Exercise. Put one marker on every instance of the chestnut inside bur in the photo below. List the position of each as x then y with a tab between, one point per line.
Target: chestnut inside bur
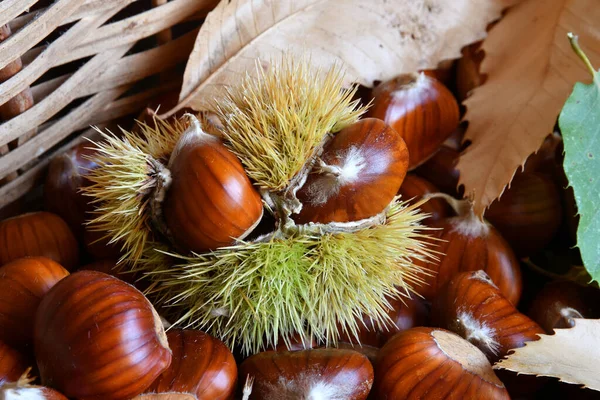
357	176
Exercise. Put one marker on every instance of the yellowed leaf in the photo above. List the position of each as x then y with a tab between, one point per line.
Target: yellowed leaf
531	71
570	354
373	40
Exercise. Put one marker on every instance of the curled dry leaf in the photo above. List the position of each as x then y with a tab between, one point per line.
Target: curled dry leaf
374	40
530	73
570	354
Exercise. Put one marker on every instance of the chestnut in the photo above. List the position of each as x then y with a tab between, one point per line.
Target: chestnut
414	188
98	245
555	306
467	243
21	388
441	171
97	337
405	313
433	363
23	283
66	175
308	374
421	109
528	214
211	201
472	306
202	368
38	234
12	364
468	76
357	176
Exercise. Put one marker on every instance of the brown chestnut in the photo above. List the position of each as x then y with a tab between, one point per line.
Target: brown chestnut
472	306
211	202
23	283
405	313
555	306
21	388
203	368
308	374
528	214
415	187
97	337
421	109
357	176
467	243
433	363
12	364
38	234
66	175
441	171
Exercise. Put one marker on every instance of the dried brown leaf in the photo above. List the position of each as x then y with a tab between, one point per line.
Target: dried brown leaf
374	40
531	71
570	354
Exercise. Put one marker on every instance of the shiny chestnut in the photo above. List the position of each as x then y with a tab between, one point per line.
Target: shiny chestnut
471	305
308	374
357	176
467	243
414	188
558	303
528	214
433	363
97	337
38	234
202	368
421	109
23	283
12	364
66	175
211	201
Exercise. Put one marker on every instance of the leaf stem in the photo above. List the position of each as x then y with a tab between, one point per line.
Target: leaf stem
574	39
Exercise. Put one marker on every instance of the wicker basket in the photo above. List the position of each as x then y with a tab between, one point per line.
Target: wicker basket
69	64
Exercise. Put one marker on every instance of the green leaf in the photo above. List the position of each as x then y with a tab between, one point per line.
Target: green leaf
579	123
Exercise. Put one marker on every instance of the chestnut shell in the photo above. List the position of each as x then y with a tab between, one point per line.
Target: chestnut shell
211	201
97	337
421	109
38	234
330	373
375	158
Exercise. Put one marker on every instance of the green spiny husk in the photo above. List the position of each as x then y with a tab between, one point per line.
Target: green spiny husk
123	181
254	294
276	121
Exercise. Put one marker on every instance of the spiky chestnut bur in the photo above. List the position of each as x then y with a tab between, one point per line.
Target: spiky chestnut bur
298	278
472	306
210	202
22	389
467	243
421	109
357	176
254	293
309	374
430	363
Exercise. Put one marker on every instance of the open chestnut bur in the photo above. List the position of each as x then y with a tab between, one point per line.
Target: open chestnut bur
287	222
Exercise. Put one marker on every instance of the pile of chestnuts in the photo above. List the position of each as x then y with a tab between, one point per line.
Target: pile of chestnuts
72	326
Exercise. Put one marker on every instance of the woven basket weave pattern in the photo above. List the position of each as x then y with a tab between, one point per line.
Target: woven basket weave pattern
43	117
